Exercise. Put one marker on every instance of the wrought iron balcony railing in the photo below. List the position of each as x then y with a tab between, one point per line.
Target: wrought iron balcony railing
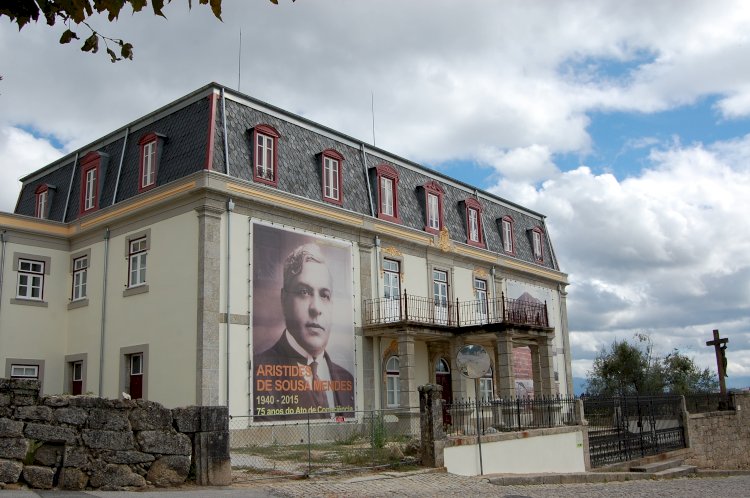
418	309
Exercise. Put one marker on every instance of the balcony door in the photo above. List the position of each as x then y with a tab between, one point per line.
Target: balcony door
391	308
440	296
443	379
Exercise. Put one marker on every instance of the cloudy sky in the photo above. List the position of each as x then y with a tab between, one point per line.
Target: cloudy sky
626	123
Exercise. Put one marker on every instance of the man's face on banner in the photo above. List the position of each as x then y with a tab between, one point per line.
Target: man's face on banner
306	301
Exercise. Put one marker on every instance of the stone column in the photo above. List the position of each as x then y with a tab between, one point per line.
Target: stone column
209	289
536	371
547	368
504	364
431	423
566	339
407	370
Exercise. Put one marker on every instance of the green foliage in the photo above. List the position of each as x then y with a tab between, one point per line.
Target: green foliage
379	432
77	12
627	369
31	452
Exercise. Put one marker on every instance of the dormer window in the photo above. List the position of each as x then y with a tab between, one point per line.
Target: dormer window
387	181
537	239
150	145
474	235
506	225
41	204
265	155
433	207
332	169
93	165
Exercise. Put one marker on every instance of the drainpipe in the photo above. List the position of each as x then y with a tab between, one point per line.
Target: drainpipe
230	208
119	168
104	313
494	291
3	241
70	187
367	178
377	345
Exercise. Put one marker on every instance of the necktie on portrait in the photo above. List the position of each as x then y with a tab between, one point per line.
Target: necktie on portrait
320	396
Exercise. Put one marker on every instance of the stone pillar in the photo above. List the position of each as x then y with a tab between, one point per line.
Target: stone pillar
208	427
547	368
504	363
566	339
584	425
209	291
536	371
407	370
431	423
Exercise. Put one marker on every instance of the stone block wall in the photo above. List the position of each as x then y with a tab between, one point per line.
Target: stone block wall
721	440
85	442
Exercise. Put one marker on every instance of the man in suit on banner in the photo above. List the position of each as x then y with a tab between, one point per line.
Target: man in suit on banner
295	378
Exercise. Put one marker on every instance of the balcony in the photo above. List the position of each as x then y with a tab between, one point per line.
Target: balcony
418	310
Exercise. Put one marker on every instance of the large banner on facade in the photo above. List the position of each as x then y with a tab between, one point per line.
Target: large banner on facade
303	327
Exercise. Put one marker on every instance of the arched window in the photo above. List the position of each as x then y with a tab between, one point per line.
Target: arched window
392	381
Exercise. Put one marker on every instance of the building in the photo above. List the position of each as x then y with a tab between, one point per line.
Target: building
152	262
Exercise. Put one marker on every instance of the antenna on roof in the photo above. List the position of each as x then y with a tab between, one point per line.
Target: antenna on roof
372	110
239	63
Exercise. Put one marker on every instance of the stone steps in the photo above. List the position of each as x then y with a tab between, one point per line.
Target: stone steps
651	468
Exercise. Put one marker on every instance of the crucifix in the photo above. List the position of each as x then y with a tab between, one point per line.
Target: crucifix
720	345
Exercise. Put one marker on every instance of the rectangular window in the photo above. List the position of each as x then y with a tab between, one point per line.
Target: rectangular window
137	262
76	378
149	164
391	279
264	157
440	295
480	295
386	196
89	197
30	279
80	277
485	388
433	213
507	236
331	178
41	204
24	372
473	225
537	237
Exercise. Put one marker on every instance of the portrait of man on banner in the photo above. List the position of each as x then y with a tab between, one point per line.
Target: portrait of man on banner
303	332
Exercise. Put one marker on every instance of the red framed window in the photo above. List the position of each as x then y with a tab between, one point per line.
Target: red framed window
149	166
332	176
41	203
265	155
387	182
90	179
433	199
508	236
537	242
474	233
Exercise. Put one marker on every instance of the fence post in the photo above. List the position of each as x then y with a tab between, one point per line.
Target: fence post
431	422
406	308
309	446
502	306
458	316
584	425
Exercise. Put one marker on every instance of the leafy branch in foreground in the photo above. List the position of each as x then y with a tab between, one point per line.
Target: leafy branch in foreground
74	14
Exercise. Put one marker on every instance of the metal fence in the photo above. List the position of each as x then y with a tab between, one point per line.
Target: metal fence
626	428
371	439
708	402
466	417
418	309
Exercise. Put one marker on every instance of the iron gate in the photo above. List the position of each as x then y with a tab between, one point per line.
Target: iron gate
626	428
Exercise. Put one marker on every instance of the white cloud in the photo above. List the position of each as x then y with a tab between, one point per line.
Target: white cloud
527	164
20	150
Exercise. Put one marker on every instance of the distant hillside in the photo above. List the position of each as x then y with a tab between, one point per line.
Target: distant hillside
579	384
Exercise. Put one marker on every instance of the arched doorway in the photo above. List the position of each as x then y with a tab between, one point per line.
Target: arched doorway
443	379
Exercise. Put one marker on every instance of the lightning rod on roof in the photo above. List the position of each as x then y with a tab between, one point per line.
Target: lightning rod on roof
239	63
372	110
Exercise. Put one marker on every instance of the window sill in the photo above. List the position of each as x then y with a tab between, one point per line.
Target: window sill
80	303
29	302
132	291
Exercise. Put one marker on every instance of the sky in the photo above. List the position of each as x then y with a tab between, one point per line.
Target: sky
626	123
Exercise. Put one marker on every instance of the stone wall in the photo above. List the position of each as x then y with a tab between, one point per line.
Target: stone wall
721	440
85	442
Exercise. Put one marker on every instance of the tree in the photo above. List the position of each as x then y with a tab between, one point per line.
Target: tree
74	13
627	369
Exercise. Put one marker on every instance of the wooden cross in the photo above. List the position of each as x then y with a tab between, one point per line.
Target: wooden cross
721	359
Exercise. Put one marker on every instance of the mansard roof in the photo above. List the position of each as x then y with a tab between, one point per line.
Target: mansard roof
192	130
